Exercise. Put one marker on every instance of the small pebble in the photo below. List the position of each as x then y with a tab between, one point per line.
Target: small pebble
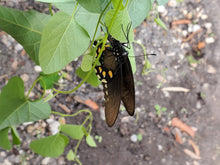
133	138
18	47
37	68
6	162
161	9
211	69
160	147
24	77
172	3
195	28
54	126
204	16
28	123
45	161
184	33
30	129
2	154
209	40
198	105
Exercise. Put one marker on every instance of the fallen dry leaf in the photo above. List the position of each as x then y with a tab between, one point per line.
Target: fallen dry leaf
211	69
195	148
191	154
182	21
91	104
175	89
201	45
182	126
166	129
191	35
87	102
178	137
65	108
14	64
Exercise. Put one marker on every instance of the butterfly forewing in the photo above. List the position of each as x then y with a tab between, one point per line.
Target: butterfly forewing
112	83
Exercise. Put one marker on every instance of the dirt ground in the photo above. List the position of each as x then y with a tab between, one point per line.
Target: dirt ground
198	107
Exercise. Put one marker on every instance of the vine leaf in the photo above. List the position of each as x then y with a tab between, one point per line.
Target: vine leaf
51	146
93	79
24	27
162	2
122	19
4	141
95	6
49	80
74	131
90	141
16	109
138	11
15	136
54	1
86	19
63	40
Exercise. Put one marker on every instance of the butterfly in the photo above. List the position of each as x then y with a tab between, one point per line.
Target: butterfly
116	75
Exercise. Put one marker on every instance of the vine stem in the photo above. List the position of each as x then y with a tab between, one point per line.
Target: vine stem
38	79
72	115
50	9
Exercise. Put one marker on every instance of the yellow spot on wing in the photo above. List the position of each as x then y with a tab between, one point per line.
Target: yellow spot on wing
110	73
103	73
100	69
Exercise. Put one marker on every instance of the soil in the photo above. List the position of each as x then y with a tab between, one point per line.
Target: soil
198	108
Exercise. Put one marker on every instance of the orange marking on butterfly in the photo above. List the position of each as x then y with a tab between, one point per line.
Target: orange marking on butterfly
100	69
104	73
110	73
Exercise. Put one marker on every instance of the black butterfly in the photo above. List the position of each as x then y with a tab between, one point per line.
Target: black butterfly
116	76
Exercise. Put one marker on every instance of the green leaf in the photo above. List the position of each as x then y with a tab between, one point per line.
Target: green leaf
116	3
4	141
51	146
70	156
131	57
157	107
139	137
90	141
74	131
87	61
63	40
54	1
15	109
49	80
93	79
94	6
160	23
15	136
121	22
138	11
162	2
24	27
82	16
192	60
164	109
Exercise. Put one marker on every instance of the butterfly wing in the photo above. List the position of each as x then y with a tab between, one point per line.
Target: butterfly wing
112	89
128	91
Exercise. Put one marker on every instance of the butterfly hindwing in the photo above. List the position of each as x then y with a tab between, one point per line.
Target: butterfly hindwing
128	92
